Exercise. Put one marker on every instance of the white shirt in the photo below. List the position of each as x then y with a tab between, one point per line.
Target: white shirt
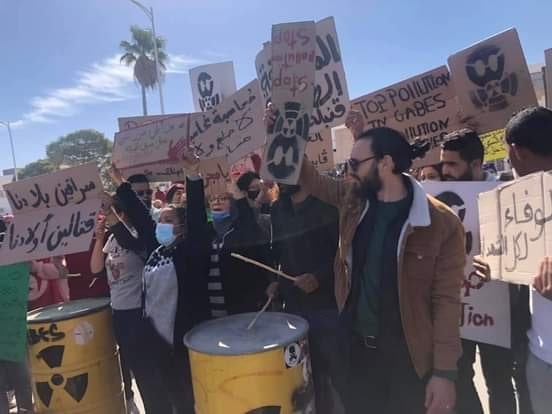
540	334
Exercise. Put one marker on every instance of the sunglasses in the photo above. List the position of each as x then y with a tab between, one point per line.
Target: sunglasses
353	164
141	193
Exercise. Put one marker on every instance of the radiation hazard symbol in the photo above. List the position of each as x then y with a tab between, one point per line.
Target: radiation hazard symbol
74	386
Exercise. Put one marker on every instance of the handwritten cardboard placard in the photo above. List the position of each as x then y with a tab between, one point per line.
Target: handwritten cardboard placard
423	106
485	306
331	96
14	293
129	122
344	141
548	76
492	80
495	149
216	175
162	172
516	227
212	84
293	67
233	129
319	150
153	143
55	214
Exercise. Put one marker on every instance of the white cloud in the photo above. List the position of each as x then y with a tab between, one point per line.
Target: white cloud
103	82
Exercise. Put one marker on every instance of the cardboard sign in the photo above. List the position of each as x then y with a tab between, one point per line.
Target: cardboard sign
423	106
331	96
14	293
162	172
516	228
492	81
233	129
485	305
344	141
216	175
55	214
136	121
4	203
153	143
293	67
495	149
548	76
212	84
319	150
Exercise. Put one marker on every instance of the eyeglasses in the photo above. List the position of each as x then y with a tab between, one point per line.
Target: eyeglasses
354	164
141	193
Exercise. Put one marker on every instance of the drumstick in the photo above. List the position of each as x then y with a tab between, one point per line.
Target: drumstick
257	316
263	266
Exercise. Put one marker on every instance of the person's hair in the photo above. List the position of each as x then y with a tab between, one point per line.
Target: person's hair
117	204
138	178
466	143
388	141
172	191
436	167
531	128
246	179
180	212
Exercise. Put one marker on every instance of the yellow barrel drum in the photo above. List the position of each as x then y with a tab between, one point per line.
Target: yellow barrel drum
74	359
264	370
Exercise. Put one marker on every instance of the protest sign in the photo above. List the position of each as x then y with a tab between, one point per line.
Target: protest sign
495	149
548	76
319	150
331	96
423	106
516	227
344	141
4	203
492	81
14	293
212	84
233	129
136	121
293	67
162	172
485	305
153	143
216	175
55	214
245	164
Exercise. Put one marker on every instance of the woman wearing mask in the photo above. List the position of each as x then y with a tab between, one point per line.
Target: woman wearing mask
122	255
174	289
235	286
250	184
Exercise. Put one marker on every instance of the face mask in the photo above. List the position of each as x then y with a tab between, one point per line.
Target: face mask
164	233
253	194
220	215
289	189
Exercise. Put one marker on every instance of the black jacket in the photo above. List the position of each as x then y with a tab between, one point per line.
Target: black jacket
304	240
191	256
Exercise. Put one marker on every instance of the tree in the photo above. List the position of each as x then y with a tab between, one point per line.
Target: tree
78	148
140	54
36	168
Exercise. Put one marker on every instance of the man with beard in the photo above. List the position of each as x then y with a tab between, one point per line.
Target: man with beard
398	273
304	241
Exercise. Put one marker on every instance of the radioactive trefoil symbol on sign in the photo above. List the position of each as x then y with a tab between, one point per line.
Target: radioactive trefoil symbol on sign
74	386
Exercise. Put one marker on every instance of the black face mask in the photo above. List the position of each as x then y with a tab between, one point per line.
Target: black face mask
125	239
289	189
253	194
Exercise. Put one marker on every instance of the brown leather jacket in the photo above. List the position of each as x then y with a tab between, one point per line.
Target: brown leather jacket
431	260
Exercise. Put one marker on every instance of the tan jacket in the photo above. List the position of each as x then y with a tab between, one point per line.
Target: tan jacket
431	259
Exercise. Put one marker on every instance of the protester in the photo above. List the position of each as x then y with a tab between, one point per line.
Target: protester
257	195
174	288
159	194
16	376
431	173
399	269
304	241
122	255
156	208
462	156
235	286
528	136
87	284
48	283
176	194
140	185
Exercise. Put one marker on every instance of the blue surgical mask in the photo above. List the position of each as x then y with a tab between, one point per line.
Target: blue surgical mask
220	215
164	233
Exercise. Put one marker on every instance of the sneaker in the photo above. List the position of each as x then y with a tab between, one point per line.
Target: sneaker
132	408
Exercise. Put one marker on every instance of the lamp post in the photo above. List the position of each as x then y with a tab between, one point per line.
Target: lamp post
7	125
149	14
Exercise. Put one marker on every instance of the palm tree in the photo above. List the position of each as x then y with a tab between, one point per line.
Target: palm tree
140	53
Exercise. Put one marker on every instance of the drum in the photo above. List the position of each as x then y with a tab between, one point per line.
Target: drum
74	359
262	370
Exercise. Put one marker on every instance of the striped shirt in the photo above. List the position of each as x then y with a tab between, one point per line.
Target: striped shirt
214	283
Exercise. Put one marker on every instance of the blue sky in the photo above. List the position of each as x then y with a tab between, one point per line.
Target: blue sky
60	72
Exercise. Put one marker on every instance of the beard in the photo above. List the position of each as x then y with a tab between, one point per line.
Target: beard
466	176
368	185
